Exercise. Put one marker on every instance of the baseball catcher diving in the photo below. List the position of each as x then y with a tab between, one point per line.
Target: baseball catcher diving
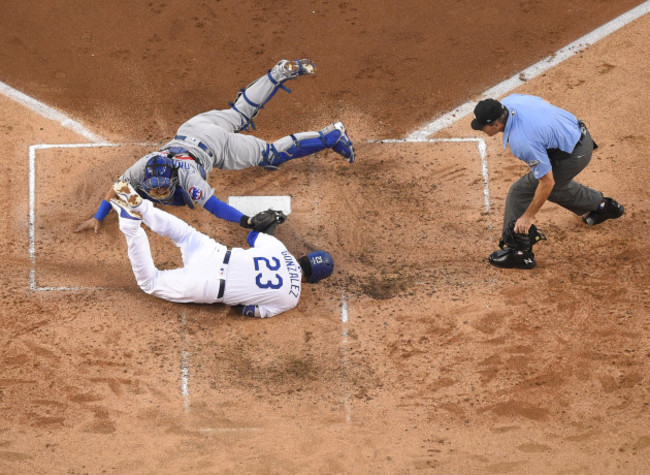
262	281
176	174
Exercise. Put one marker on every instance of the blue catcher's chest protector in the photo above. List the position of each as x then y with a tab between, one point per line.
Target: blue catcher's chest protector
176	198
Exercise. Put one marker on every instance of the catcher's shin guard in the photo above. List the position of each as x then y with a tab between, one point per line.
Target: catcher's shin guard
333	136
253	98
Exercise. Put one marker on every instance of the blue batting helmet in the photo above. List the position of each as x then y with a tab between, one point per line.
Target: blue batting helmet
317	265
160	172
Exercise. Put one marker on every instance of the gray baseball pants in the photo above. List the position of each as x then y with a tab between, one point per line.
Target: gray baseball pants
218	129
567	193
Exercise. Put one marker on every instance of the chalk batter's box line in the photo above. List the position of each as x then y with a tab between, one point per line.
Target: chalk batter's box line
32	191
482	151
32	205
285	205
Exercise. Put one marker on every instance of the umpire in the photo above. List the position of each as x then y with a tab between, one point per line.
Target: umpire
557	147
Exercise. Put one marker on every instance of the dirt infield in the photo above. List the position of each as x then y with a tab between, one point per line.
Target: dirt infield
416	356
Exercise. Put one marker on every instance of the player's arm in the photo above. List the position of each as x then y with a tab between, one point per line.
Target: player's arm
198	191
258	311
95	222
544	187
259	239
264	222
134	174
249	310
226	212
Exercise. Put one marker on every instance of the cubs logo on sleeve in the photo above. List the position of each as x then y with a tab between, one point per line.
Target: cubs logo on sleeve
196	193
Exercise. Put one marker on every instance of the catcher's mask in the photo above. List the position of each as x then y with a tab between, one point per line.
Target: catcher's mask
160	177
317	265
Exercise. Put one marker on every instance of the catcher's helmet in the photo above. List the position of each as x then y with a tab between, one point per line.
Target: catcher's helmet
160	174
317	265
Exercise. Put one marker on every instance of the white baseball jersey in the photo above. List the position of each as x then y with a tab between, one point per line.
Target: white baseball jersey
265	275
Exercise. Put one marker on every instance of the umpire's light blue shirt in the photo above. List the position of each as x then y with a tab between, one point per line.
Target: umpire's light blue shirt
534	126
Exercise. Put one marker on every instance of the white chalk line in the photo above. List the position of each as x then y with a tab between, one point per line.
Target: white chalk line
48	112
345	349
32	208
417	136
533	71
185	369
482	151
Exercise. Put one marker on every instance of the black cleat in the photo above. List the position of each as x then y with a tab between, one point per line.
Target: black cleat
608	209
508	258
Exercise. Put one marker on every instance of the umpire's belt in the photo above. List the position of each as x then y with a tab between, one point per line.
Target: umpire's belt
555	154
196	142
222	273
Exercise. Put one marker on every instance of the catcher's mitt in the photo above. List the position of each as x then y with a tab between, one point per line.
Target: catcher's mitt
265	221
520	241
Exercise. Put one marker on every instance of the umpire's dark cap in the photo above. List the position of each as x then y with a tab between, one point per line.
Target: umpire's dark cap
486	112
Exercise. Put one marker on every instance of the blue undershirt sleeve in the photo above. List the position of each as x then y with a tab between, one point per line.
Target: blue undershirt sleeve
252	237
222	210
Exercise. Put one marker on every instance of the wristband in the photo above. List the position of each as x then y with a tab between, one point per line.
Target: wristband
243	222
103	210
250	311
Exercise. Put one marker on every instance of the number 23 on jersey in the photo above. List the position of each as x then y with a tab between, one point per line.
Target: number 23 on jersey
262	264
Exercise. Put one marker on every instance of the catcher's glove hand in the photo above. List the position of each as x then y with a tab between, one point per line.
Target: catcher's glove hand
520	241
265	221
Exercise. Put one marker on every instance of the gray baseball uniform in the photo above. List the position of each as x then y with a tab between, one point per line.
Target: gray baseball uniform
211	140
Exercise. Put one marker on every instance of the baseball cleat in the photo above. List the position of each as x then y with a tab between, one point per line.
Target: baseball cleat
127	193
508	258
124	211
343	145
298	67
608	209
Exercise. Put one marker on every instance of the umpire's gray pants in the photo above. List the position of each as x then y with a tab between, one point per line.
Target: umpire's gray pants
569	194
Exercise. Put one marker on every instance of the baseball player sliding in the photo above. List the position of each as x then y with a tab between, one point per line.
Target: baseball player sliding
176	174
263	281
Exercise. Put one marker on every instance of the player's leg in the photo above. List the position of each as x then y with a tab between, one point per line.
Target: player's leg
138	248
251	99
185	284
519	198
193	244
243	151
568	193
299	145
577	198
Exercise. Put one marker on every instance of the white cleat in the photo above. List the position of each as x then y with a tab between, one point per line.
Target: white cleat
298	67
127	193
124	211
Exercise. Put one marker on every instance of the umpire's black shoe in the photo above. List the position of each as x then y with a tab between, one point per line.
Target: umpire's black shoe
608	209
508	258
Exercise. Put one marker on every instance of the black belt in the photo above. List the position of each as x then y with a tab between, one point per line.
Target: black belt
222	282
199	144
557	154
583	134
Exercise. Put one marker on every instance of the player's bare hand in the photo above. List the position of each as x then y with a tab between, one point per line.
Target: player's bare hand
91	223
